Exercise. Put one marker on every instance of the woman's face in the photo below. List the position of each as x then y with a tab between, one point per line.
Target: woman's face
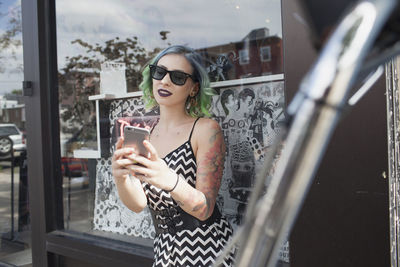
249	100
165	92
230	102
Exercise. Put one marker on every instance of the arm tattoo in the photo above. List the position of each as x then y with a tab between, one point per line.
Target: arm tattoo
211	168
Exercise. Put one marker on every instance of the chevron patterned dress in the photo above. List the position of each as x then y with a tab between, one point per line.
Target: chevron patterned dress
198	247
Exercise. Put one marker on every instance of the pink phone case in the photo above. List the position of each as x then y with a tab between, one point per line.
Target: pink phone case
134	137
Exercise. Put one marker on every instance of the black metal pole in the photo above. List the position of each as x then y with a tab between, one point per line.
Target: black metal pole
12	192
69	193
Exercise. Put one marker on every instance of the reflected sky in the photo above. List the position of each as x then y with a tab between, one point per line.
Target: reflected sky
198	24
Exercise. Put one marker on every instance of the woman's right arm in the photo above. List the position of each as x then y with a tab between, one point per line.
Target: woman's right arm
130	190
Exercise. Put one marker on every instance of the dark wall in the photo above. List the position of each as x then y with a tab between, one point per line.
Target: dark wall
345	219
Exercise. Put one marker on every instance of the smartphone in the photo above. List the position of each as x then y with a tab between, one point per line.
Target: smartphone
134	137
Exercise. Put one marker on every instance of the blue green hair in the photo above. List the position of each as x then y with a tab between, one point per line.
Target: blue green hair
203	97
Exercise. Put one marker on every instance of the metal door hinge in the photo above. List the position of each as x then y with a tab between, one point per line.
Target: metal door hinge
27	88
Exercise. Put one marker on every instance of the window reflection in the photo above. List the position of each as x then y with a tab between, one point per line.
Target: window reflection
241	44
14	211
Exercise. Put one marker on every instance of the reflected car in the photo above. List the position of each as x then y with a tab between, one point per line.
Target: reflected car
74	167
76	171
9	131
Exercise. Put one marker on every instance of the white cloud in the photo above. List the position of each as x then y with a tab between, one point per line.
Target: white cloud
10	81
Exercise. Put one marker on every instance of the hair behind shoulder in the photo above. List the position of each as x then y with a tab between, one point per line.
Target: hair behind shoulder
203	97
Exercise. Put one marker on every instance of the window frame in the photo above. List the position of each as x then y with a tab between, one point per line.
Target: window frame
52	242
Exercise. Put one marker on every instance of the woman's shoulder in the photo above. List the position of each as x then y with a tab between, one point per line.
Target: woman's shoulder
206	128
205	124
207	133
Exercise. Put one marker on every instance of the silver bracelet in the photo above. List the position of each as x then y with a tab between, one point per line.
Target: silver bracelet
173	188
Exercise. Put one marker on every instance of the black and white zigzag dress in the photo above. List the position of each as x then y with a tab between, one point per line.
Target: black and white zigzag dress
198	247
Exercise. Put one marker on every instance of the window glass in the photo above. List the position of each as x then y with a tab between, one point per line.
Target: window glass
102	49
265	53
244	57
14	206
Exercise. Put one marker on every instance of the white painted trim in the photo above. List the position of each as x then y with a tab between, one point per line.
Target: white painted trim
260	79
87	154
117	96
98	127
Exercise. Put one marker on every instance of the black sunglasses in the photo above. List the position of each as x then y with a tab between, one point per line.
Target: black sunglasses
176	76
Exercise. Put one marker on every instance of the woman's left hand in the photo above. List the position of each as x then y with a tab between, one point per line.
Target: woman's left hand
155	170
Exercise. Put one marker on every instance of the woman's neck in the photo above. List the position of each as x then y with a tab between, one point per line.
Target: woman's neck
173	117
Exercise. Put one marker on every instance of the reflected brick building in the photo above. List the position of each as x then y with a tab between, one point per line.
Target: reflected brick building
257	54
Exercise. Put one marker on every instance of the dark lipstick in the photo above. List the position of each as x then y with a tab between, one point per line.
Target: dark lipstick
164	93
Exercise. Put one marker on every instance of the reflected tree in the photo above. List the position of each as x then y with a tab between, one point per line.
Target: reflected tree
10	37
80	78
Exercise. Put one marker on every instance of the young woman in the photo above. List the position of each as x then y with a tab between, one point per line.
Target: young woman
180	178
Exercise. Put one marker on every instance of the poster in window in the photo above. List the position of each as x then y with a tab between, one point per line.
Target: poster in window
250	117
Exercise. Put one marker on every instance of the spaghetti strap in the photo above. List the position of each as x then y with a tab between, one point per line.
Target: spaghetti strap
191	132
154	125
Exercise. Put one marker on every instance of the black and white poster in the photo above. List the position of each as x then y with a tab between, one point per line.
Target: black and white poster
250	117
